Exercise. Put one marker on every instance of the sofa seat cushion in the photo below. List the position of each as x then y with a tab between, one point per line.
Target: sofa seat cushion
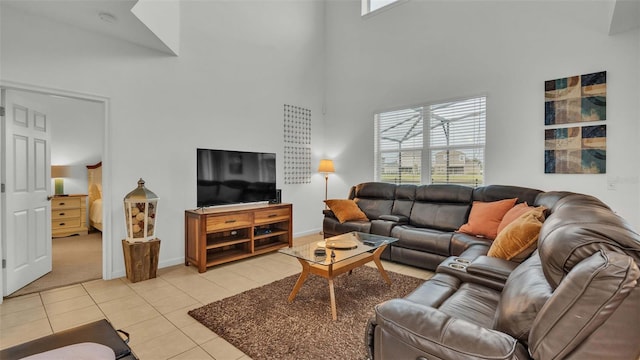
461	300
423	239
435	291
333	227
474	303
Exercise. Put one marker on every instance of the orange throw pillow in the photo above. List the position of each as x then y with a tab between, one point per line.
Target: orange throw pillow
346	210
485	217
513	214
520	238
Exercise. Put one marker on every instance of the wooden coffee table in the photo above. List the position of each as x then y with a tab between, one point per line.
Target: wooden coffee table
353	250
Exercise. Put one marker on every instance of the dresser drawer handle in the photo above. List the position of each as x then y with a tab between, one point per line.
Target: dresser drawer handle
62	224
61	214
61	204
272	215
230	221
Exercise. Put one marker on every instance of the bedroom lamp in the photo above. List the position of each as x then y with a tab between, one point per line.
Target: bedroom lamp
58	173
326	167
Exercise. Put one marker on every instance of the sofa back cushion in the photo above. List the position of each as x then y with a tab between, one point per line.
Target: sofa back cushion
443	207
405	197
500	192
375	198
587	298
524	294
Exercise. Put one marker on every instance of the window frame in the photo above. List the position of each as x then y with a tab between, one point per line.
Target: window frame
427	151
366	11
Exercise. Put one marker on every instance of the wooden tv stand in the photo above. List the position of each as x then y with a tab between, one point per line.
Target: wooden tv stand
220	235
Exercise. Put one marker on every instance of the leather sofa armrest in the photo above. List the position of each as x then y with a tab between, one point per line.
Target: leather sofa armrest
385	223
398	219
491	267
406	330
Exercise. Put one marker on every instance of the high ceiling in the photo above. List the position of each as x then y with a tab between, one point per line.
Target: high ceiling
108	17
119	22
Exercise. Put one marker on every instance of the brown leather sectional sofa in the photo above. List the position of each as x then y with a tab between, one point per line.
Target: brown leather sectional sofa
576	297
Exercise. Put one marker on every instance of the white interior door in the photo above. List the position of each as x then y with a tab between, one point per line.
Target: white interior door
26	211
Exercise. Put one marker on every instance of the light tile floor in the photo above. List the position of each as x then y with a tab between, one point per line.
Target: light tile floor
154	311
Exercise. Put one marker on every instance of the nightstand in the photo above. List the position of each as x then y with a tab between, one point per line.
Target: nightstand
69	215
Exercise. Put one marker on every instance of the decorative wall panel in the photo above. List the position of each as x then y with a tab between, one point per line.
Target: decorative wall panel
297	149
580	149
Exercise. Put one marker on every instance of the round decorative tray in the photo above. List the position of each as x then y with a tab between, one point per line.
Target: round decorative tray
341	244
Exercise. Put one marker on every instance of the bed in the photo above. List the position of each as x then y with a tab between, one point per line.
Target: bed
94	177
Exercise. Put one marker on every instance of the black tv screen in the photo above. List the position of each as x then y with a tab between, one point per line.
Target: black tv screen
232	177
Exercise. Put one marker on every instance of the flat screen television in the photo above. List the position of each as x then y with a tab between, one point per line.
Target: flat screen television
233	177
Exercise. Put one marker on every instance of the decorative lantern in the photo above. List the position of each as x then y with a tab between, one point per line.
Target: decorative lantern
140	210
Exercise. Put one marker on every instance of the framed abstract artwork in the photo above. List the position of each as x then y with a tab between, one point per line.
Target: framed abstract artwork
576	150
580	98
579	149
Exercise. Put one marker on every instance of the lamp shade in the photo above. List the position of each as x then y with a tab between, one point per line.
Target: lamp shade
59	171
326	166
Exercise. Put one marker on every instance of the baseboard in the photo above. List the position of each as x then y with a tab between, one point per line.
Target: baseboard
307	233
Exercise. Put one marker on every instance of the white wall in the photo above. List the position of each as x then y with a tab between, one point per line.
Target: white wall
239	63
436	50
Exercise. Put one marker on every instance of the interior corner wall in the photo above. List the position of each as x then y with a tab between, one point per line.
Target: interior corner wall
239	62
422	51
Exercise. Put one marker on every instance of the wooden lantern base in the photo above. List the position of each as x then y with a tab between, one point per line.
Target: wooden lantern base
141	259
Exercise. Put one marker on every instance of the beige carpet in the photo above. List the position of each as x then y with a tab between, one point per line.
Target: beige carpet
76	259
264	325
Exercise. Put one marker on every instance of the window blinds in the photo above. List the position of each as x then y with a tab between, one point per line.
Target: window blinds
452	150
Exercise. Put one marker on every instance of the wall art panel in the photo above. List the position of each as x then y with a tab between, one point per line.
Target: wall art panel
576	150
580	98
297	149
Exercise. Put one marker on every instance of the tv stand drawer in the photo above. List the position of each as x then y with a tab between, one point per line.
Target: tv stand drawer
222	222
269	216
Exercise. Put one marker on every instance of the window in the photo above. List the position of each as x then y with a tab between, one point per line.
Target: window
369	6
450	151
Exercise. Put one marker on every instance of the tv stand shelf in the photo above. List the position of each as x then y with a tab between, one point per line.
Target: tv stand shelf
220	235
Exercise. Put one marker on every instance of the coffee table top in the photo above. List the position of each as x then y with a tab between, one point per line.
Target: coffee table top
362	243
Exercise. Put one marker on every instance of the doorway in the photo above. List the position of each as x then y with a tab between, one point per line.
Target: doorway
79	123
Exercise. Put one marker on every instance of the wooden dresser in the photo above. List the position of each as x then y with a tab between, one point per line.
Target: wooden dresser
69	215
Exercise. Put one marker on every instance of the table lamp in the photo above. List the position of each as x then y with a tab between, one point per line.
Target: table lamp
58	173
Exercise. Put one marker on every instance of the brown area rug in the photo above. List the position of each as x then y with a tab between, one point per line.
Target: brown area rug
264	325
